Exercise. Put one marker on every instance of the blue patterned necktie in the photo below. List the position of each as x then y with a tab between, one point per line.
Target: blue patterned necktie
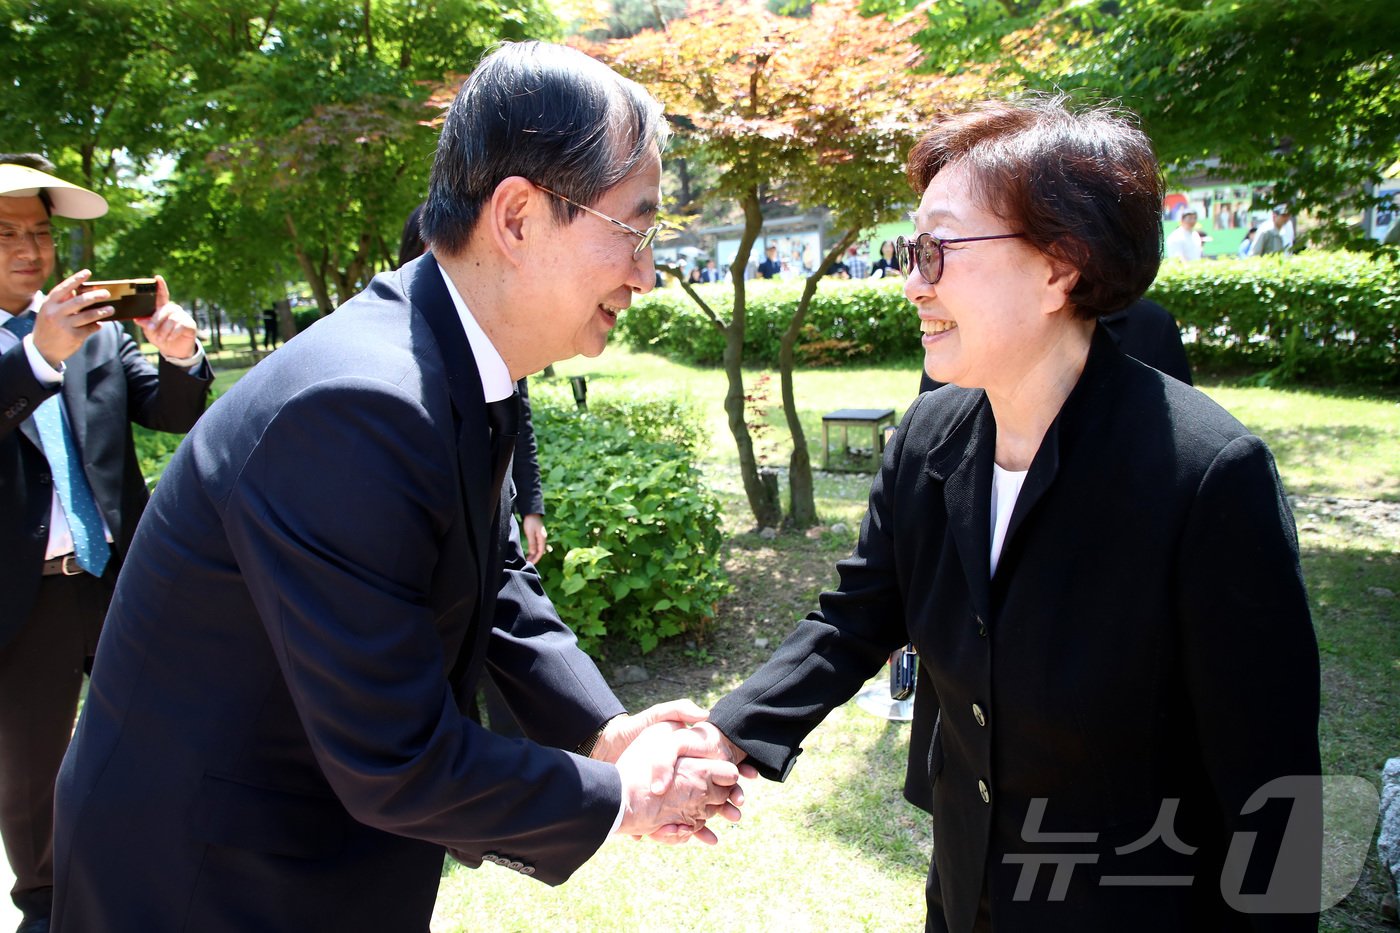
74	494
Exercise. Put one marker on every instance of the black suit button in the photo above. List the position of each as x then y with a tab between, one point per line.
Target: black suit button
984	790
978	715
42	531
45	478
981	626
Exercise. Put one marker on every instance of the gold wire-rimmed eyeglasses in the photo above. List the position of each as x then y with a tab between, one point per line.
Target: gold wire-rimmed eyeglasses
645	236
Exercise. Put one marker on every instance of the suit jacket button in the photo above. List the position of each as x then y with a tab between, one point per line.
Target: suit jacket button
528	870
981	627
978	715
984	791
42	531
516	866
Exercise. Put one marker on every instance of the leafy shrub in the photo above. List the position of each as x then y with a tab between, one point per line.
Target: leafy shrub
305	317
1318	316
153	451
869	320
634	533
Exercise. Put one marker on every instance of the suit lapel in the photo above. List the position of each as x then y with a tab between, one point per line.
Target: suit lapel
429	296
963	463
1077	407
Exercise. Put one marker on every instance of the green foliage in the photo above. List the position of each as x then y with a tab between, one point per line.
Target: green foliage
1314	317
1300	94
634	533
153	451
868	320
297	130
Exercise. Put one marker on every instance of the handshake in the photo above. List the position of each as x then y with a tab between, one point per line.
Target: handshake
677	772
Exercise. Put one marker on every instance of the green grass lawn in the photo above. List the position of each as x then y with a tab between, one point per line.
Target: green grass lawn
836	847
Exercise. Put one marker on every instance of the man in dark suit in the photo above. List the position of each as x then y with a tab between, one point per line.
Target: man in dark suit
70	384
276	735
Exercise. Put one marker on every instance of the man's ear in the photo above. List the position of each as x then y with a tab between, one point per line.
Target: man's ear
513	216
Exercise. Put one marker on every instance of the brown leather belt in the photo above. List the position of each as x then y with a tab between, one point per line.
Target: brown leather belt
66	566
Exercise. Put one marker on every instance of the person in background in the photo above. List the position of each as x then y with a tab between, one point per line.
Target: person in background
1185	242
770	268
1276	236
711	273
1097	565
856	263
886	266
71	491
1247	243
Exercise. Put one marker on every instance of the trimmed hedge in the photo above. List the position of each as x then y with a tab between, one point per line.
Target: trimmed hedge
1316	316
866	320
634	533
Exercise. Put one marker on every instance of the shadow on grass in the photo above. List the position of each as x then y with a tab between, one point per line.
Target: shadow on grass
1322	444
867	810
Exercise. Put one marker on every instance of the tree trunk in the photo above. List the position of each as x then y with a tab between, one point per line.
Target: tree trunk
802	503
767	509
286	323
314	278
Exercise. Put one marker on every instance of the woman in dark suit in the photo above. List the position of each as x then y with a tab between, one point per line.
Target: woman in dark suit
887	265
1116	720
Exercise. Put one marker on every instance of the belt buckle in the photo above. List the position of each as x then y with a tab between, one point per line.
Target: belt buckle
64	564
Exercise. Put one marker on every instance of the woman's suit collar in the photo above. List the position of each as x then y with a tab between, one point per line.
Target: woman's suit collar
962	460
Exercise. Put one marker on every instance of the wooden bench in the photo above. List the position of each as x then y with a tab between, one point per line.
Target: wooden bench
861	459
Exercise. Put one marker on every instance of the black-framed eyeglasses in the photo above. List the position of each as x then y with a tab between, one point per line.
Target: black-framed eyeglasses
646	236
926	251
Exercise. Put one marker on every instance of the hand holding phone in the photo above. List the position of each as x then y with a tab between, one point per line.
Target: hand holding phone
131	298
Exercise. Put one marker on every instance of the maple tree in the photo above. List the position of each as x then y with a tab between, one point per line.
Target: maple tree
819	111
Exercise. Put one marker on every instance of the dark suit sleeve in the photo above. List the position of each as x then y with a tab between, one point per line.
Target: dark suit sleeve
344	467
20	391
169	398
554	690
831	652
1251	666
525	468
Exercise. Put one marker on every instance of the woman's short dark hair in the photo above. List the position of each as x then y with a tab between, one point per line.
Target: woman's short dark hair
1084	187
544	112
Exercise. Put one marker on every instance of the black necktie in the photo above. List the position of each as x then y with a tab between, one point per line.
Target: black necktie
504	418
